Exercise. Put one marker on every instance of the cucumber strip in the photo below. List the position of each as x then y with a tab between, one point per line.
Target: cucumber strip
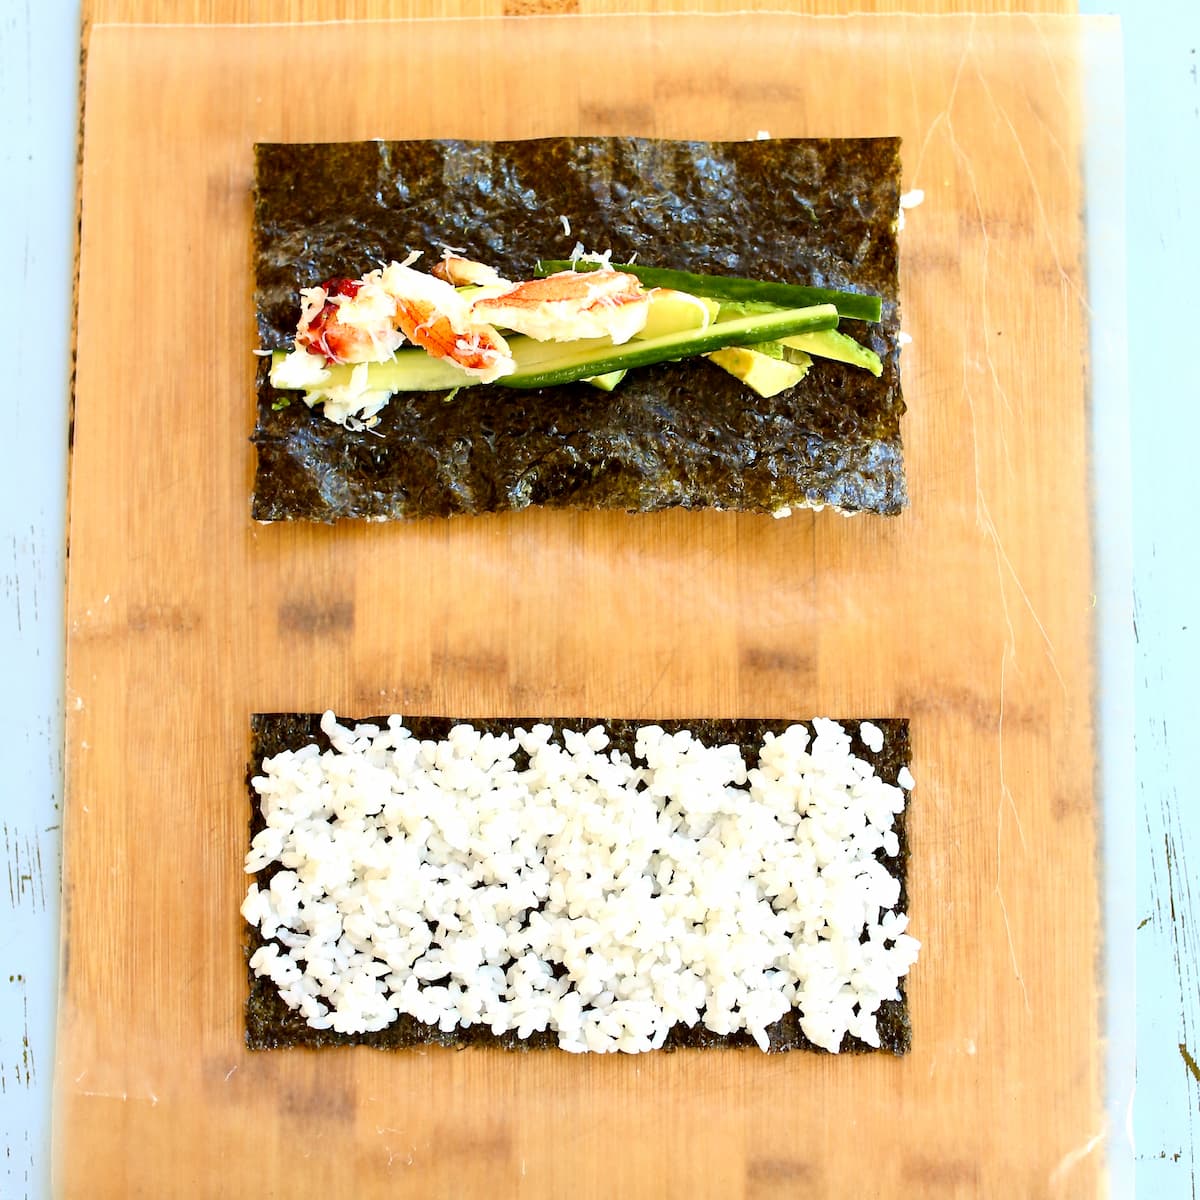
854	305
547	364
581	364
414	370
408	370
829	343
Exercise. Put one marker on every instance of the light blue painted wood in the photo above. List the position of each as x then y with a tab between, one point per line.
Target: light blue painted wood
38	67
1162	48
39	64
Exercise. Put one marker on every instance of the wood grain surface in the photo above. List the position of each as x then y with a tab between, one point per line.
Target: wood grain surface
970	615
247	11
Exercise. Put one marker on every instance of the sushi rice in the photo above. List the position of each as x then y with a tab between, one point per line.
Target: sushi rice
540	881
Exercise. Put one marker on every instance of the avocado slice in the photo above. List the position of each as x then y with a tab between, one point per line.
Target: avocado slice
672	311
832	343
760	372
606	382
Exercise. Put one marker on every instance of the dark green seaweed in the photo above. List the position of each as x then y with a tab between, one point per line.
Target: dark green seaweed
817	212
271	1025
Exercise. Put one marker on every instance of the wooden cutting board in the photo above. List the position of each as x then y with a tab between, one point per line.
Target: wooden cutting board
970	614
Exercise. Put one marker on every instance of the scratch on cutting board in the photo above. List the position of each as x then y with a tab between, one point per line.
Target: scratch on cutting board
671	655
149	1098
984	521
1006	795
1051	64
983	516
945	113
987	324
1073	1158
1009	652
1006	573
1072	284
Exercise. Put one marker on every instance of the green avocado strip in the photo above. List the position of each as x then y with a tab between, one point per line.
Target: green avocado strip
854	305
829	343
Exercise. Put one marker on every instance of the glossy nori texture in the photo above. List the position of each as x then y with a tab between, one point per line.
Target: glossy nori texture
270	1024
818	212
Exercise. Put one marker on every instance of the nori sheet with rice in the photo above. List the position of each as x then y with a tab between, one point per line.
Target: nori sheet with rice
820	212
271	1025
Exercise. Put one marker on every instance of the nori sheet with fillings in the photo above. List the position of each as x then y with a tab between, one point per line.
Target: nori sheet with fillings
271	1025
817	211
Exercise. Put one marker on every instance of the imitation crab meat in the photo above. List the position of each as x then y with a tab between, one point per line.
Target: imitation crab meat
359	321
348	321
454	268
356	321
571	305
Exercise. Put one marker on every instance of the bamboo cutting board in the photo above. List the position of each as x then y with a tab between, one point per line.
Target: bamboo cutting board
970	614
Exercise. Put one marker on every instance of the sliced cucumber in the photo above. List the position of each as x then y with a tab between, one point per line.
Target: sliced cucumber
855	305
827	343
410	370
582	364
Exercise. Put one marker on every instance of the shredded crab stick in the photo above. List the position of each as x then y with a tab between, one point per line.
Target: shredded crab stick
432	315
359	321
456	269
348	321
570	305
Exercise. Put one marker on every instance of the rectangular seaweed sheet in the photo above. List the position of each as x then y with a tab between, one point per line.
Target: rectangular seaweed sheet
271	1025
809	211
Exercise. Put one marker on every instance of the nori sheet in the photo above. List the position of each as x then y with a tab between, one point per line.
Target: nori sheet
811	211
271	1025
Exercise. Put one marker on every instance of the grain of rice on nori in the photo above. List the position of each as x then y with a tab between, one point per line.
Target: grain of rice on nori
813	211
271	1024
